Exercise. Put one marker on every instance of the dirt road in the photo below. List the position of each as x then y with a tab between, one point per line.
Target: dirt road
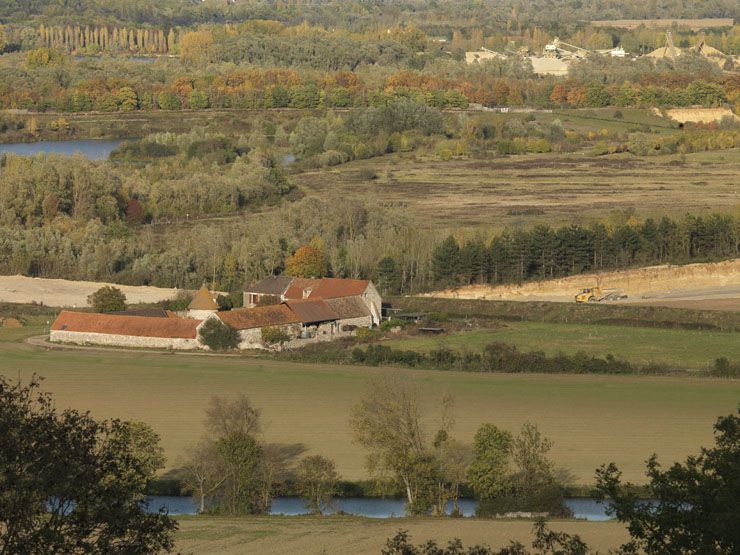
713	286
65	293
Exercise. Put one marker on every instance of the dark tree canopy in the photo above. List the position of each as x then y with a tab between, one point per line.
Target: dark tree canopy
219	336
107	299
697	507
73	485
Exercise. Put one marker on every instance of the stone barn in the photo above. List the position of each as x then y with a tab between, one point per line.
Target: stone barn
249	323
120	330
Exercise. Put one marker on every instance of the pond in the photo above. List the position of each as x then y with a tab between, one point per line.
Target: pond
94	149
583	508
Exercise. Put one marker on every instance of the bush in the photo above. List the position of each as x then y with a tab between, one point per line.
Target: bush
274	336
618	114
107	299
218	336
179	302
367	174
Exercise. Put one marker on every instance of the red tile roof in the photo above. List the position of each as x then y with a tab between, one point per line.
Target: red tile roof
326	288
331	288
349	307
298	286
312	311
261	316
138	326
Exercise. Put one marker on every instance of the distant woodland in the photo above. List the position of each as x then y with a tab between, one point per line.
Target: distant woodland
327	83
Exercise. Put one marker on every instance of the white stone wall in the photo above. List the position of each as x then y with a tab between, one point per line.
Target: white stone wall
360	322
374	302
81	338
200	314
252	338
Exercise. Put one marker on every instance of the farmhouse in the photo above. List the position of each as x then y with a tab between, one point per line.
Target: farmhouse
304	310
284	288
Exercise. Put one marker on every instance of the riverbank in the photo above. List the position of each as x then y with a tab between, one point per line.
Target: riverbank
590	509
308	535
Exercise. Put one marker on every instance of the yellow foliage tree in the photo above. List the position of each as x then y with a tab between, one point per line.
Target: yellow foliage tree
197	46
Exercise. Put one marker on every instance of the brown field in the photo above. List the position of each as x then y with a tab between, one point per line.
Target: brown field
694	24
359	536
66	293
530	189
591	419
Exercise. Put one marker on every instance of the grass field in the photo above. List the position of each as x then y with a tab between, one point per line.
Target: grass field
359	536
681	348
559	189
592	419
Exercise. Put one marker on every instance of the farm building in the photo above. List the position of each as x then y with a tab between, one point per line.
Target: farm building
121	330
284	288
306	311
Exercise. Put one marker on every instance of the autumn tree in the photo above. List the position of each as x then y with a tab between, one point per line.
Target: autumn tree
307	262
197	47
316	478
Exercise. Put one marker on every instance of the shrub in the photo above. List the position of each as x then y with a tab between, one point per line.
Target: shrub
618	114
180	301
218	336
107	299
368	174
274	336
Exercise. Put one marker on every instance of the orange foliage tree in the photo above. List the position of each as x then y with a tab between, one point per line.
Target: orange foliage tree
307	262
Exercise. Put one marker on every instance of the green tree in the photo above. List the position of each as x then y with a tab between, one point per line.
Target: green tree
198	100
489	470
308	137
72	484
316	478
389	277
167	100
127	99
107	299
445	262
696	510
274	335
218	336
241	459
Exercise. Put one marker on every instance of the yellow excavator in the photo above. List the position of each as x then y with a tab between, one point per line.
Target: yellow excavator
595	294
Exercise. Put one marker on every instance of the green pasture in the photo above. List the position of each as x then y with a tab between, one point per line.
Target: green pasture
691	349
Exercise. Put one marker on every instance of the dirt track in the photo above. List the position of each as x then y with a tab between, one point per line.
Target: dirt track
65	293
714	286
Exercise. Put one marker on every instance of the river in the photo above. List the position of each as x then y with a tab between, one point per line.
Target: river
583	508
94	149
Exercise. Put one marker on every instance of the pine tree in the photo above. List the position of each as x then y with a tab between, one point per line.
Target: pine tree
445	262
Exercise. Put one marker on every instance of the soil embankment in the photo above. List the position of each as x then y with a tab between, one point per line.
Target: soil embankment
66	293
710	286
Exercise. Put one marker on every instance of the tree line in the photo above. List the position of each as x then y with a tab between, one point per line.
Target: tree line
544	253
96	39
